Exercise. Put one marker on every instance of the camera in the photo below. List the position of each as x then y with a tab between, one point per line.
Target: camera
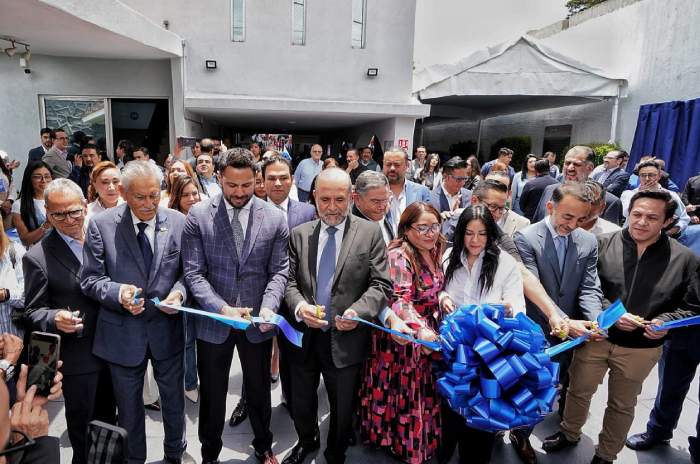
24	64
27	71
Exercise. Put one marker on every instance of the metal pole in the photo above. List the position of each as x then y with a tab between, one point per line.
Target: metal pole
615	113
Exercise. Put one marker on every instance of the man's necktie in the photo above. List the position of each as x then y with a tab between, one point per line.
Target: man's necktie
145	245
326	272
237	232
560	245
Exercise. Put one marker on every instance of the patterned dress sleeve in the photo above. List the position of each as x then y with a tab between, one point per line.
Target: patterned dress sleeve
401	274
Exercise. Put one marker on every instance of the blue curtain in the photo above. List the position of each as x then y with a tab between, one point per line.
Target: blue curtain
671	131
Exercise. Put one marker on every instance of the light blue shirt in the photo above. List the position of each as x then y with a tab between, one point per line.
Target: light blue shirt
305	173
210	185
75	246
683	218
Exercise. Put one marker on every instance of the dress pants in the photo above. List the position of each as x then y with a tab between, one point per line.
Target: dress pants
190	353
475	446
628	368
341	387
87	397
288	356
677	367
128	390
214	364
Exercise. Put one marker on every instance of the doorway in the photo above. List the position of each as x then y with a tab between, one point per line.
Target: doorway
143	121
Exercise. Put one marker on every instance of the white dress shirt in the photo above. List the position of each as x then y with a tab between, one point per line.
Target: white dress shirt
242	215
464	287
397	207
602	226
284	206
150	231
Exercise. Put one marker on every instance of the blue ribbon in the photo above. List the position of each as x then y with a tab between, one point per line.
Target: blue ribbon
435	346
605	320
678	323
497	374
290	333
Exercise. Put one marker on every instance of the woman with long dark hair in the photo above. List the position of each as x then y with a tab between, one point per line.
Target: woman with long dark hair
399	403
29	213
430	174
7	193
476	272
521	177
473	170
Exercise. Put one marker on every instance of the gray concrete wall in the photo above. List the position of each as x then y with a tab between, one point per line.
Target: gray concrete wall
58	76
267	65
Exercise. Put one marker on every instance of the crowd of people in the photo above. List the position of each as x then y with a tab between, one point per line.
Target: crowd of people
105	250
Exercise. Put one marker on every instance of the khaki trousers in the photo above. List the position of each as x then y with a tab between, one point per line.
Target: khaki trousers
628	368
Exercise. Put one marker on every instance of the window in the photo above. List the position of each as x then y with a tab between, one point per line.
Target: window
359	12
298	22
238	20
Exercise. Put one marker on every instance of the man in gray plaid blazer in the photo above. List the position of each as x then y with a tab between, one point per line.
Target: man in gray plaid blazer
234	249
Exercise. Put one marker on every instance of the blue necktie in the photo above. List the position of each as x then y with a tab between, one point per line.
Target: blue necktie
560	245
326	272
145	246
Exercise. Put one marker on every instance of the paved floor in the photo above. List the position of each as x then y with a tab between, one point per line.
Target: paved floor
237	440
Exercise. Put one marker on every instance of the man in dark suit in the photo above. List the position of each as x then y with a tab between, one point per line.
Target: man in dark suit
563	257
236	263
370	198
131	255
338	270
35	154
578	165
54	303
450	195
532	192
614	178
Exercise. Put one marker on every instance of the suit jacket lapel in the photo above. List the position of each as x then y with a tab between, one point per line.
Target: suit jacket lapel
345	247
257	216
550	252
313	255
63	254
444	203
291	211
161	235
125	228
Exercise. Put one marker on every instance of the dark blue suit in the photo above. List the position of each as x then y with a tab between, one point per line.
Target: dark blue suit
439	200
35	154
616	182
216	277
111	257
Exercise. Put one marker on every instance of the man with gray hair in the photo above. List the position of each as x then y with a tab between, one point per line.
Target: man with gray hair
131	255
370	200
54	303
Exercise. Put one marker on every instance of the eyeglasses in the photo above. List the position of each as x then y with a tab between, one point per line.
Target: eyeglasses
495	208
460	178
26	442
74	214
648	176
47	177
423	229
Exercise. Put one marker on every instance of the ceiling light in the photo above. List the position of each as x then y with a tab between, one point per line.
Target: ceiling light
10	51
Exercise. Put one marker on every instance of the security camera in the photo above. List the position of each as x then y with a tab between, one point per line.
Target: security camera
27	71
24	64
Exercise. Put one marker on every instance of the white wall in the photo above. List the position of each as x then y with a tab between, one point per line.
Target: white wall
19	92
267	65
655	44
447	30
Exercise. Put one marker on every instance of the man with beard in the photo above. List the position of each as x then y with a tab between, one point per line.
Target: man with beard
403	191
82	166
338	270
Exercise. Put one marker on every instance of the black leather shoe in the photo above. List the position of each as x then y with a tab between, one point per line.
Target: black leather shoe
153	406
300	452
599	460
643	442
239	414
557	442
523	448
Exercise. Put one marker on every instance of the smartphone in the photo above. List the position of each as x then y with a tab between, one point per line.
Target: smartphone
106	444
43	354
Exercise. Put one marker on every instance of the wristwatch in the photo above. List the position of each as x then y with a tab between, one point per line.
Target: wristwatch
7	368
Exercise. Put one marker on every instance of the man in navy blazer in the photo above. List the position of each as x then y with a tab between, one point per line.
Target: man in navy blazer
37	153
234	249
403	191
450	194
131	255
277	173
564	258
614	178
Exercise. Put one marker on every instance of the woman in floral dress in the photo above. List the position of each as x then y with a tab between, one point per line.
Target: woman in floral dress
399	402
